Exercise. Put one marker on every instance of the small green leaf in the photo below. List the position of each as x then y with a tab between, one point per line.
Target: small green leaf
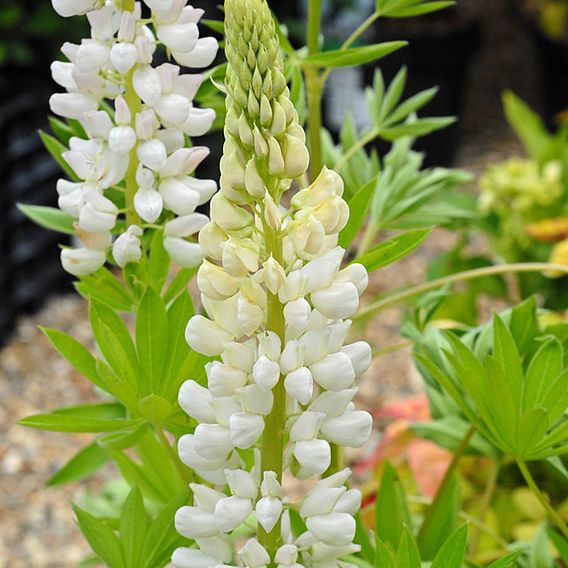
56	422
152	340
123	439
101	537
407	555
57	149
214	25
363	539
158	262
419	127
49	218
391	511
155	408
391	250
559	542
358	207
354	55
179	284
115	342
506	561
83	464
75	353
452	552
106	289
419	9
384	557
393	93
133	527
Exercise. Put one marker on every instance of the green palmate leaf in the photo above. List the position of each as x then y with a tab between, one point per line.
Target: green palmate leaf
393	94
508	358
123	439
441	520
152	340
155	408
162	538
419	127
86	418
114	342
101	538
106	289
81	465
354	55
179	355
391	511
358	208
452	552
61	130
411	105
133	527
158	262
384	558
407	555
56	149
179	284
391	250
49	218
118	386
75	353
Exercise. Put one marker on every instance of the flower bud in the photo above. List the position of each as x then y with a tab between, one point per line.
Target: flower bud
240	256
335	529
121	140
268	511
246	429
193	523
205	336
212	238
82	261
266	372
299	384
339	301
253	182
274	275
270	485
215	283
286	555
146	82
127	248
231	512
296	157
196	401
227	214
334	372
148	204
275	158
98	214
93	241
351	429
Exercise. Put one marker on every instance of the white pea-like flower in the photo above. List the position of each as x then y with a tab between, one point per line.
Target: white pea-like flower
154	112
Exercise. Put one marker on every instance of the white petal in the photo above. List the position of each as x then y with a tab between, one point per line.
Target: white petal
193	522
146	82
320	501
268	511
212	441
333	403
152	154
334	372
178	197
177	37
356	274
255	399
254	555
224	379
71	105
205	336
335	529
231	512
292	356
266	372
127	248
186	225
242	483
297	314
148	204
196	401
339	301
91	56
121	139
123	57
246	429
351	429
306	426
349	502
360	354
173	109
192	558
313	455
67	8
82	261
199	121
299	384
202	55
183	253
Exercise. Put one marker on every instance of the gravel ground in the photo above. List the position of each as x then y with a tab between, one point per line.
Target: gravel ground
37	529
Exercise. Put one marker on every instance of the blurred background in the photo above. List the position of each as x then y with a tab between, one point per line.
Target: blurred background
473	52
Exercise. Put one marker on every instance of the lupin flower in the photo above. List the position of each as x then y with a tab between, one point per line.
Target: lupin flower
278	306
139	148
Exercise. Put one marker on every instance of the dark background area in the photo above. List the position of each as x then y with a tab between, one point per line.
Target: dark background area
473	52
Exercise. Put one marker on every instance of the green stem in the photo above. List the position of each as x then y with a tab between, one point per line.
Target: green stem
543	500
135	106
275	423
429	517
490	486
368	238
398	297
314	88
361	143
183	471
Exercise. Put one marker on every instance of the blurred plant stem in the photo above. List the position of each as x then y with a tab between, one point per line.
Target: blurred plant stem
430	513
488	493
184	472
398	297
558	521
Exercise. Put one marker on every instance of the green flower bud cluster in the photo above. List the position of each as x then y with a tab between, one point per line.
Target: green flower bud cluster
265	144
